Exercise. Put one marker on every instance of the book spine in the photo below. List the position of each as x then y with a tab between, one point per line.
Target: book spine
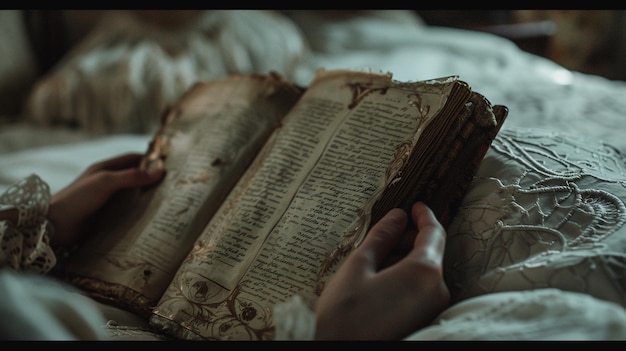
467	152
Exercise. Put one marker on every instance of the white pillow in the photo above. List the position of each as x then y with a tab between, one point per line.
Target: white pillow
546	210
123	74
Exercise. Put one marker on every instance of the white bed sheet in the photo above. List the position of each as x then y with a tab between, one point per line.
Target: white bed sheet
59	164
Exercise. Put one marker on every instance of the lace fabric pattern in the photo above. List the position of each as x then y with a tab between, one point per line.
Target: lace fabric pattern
294	320
544	211
25	246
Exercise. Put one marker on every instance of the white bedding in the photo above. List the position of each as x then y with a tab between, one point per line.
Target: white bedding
560	105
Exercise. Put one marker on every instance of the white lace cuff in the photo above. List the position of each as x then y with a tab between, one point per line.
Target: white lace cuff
26	246
294	320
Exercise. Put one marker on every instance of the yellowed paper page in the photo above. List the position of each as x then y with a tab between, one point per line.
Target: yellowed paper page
207	142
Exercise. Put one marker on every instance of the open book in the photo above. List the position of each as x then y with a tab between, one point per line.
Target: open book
269	186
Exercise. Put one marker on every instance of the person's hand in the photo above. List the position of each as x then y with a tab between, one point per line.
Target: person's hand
368	298
79	201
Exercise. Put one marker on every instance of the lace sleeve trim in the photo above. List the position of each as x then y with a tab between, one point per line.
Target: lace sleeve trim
294	320
26	246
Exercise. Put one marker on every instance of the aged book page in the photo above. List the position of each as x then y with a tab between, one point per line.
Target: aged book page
310	192
205	143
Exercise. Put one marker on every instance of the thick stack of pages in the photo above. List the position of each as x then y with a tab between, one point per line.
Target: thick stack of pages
269	186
